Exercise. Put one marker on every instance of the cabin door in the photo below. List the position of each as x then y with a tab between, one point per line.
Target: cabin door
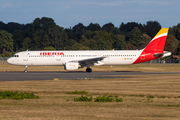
25	56
58	57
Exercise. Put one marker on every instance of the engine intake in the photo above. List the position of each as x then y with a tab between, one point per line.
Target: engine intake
71	66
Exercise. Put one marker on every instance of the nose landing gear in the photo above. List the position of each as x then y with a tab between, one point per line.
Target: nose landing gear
26	69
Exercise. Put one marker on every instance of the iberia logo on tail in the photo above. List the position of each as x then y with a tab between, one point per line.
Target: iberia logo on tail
155	48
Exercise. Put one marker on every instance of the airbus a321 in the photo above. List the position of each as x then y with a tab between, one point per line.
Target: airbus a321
73	60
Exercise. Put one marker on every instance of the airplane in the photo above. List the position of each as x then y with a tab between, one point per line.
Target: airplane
73	60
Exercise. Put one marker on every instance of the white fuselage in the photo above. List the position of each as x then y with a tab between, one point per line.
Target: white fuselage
45	58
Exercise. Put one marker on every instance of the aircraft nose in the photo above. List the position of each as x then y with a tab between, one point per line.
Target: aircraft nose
9	60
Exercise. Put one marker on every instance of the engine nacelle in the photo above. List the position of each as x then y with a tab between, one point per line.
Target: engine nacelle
71	66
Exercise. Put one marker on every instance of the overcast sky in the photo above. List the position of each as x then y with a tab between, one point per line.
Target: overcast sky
68	13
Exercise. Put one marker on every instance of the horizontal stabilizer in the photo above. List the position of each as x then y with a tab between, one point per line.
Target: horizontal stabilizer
164	54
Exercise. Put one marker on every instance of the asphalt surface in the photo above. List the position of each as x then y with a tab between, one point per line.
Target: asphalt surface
21	76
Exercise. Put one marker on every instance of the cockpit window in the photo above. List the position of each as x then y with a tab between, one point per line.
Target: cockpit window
15	55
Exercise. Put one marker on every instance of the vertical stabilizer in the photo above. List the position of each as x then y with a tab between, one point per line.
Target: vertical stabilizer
155	48
158	42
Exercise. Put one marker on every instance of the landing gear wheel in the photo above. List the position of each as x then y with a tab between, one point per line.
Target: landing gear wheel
88	70
25	68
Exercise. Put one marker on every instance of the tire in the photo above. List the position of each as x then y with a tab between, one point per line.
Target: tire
88	70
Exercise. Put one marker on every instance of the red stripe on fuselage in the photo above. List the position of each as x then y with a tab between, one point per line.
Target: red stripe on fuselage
147	56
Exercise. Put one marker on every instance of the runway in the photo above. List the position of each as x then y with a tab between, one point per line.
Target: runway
21	76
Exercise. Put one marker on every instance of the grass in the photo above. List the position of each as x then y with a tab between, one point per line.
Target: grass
104	98
17	96
144	97
83	98
108	98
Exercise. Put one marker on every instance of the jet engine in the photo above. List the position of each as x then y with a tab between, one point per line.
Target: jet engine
71	66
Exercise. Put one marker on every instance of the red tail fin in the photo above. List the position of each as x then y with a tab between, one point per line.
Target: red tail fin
155	48
158	42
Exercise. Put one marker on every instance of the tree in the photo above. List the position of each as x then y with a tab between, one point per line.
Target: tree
6	54
69	33
40	24
6	41
18	37
92	44
27	43
115	31
104	40
71	43
89	34
38	39
44	23
143	42
93	27
49	48
126	28
107	27
12	26
177	31
58	38
45	41
2	26
152	28
119	42
171	44
103	45
78	31
172	30
130	46
135	36
79	46
89	42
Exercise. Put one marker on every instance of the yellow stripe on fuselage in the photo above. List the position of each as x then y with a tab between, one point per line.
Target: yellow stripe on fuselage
163	30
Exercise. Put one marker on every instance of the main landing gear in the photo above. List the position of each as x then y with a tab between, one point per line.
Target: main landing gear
88	70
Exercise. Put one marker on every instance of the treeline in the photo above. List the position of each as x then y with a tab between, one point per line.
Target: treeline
44	34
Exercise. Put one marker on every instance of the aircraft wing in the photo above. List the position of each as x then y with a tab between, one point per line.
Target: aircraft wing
90	61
